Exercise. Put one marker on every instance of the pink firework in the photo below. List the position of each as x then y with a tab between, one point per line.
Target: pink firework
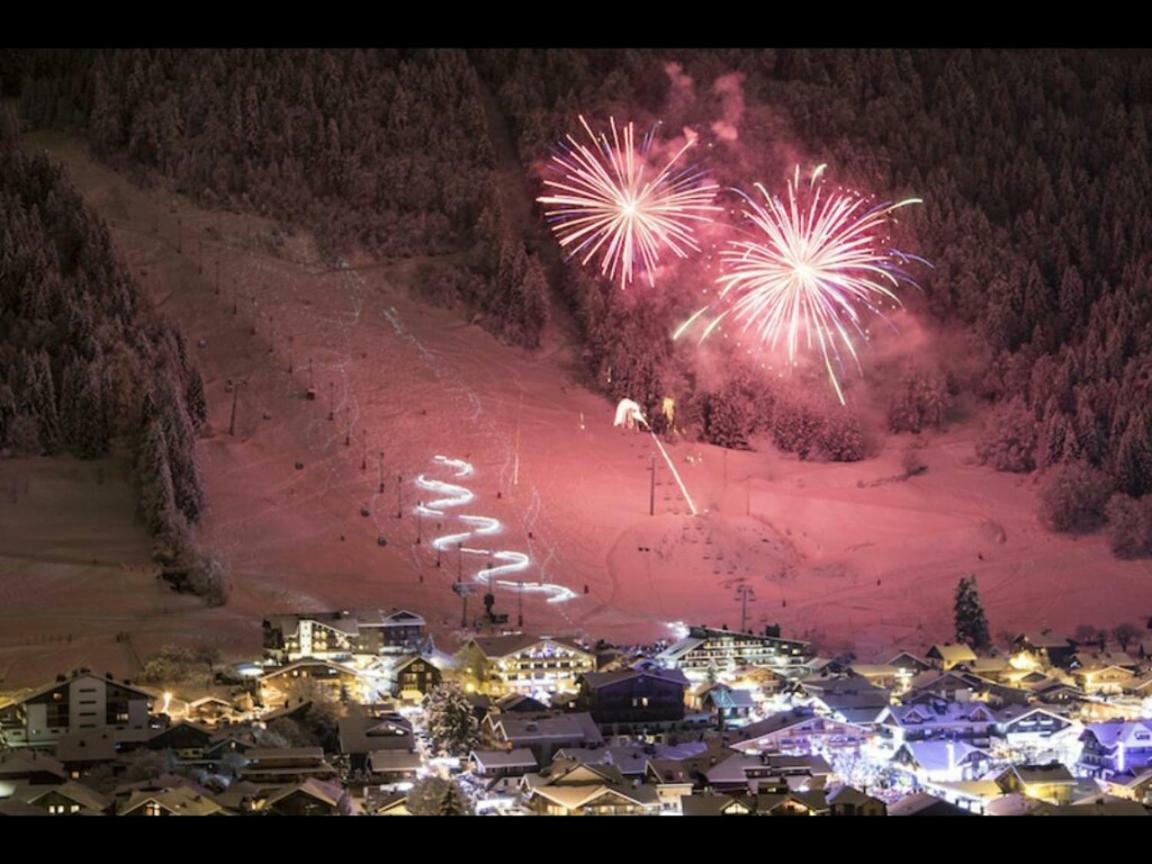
809	270
607	202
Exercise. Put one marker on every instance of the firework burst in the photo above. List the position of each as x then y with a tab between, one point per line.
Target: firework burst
815	261
606	201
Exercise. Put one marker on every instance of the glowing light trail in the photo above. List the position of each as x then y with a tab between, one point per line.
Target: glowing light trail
454	495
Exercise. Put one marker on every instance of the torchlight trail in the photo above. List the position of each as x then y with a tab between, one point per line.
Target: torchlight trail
808	270
454	495
608	200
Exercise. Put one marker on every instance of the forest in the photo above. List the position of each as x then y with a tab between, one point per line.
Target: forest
87	367
1033	166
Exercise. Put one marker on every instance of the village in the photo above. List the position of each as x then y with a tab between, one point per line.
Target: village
360	713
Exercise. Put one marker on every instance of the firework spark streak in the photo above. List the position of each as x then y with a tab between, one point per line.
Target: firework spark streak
672	468
610	202
809	269
455	495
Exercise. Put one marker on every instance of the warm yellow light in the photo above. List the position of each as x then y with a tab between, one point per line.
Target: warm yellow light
1022	661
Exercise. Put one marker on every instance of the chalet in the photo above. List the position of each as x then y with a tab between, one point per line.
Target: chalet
397	631
243	798
633	700
931	761
707	649
1052	783
936	719
124	792
178	801
414	677
729	706
588	790
1116	747
976	796
1102	659
187	741
910	663
945	656
758	772
713	805
1025	726
1052	691
362	735
792	804
525	664
286	765
882	675
632	760
1045	647
311	798
319	635
673	782
209	710
850	801
1135	787
502	763
65	799
393	766
798	731
923	804
520	703
32	767
279	686
543	734
849	699
1107	680
1102	805
338	636
233	742
15	807
80	752
998	670
954	685
82	703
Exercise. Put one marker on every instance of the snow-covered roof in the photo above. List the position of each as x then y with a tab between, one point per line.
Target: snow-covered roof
1115	732
934	755
952	653
597	680
495	647
939	712
521	757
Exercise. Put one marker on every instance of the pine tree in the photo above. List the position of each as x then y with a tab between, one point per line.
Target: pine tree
453	802
971	624
197	404
157	498
452	727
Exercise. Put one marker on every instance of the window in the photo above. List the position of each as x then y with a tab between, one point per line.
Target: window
152	809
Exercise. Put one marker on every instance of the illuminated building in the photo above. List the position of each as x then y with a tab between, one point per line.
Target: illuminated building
707	649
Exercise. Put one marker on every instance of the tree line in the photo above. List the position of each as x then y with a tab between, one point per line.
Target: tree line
383	150
87	367
1033	167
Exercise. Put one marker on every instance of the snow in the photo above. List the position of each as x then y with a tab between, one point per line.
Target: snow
831	553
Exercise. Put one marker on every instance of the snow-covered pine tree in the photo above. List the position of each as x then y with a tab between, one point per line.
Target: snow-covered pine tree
971	624
453	802
452	727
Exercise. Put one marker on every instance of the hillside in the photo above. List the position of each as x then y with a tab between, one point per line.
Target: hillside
418	382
